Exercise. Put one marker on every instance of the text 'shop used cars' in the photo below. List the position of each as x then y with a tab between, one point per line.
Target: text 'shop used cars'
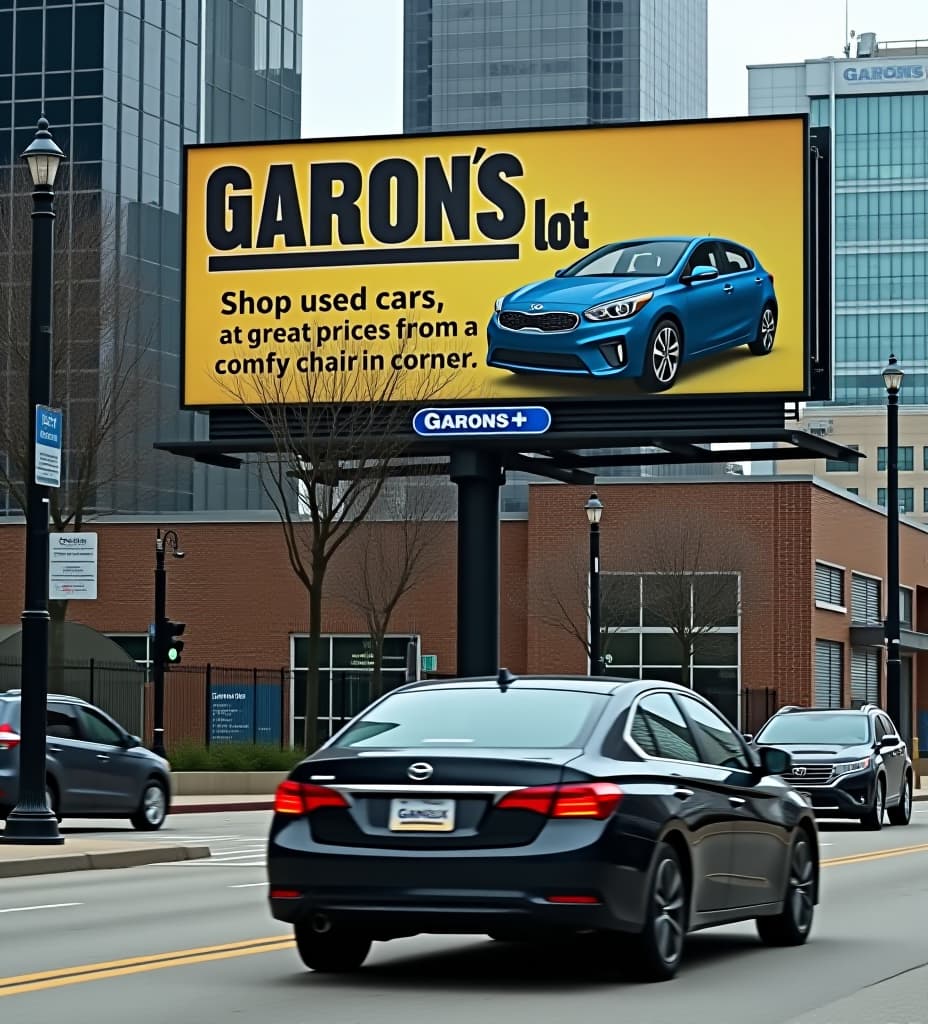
638	309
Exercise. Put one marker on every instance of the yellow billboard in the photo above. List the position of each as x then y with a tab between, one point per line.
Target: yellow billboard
601	263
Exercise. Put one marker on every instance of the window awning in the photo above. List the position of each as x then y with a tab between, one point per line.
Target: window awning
910	642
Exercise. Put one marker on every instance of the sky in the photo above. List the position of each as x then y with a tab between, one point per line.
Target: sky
353	52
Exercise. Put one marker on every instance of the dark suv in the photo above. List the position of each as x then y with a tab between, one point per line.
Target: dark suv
847	763
93	767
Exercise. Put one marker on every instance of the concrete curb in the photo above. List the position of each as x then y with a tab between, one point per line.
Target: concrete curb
57	863
218	808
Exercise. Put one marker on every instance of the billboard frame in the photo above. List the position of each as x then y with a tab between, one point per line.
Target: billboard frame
809	292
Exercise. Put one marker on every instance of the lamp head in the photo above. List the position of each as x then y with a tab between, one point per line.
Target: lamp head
892	375
43	156
594	509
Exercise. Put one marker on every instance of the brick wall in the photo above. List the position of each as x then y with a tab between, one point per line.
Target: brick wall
241	601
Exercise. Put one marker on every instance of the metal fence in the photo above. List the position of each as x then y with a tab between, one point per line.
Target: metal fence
208	704
116	687
757	705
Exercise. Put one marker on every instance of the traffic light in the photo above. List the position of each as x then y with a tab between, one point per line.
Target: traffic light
173	645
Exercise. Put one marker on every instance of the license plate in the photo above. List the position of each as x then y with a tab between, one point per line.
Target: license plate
422	816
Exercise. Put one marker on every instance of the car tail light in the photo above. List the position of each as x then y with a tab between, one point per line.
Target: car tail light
285	894
304	798
577	800
8	739
579	900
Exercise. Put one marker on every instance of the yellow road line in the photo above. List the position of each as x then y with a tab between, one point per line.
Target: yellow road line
860	858
23	983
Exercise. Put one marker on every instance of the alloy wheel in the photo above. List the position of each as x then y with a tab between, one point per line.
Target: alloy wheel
880	803
768	326
154	804
801	886
665	355
907	798
669	911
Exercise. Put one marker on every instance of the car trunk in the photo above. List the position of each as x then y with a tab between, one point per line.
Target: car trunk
454	806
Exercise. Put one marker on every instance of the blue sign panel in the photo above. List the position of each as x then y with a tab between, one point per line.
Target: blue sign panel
483	421
49	425
244	713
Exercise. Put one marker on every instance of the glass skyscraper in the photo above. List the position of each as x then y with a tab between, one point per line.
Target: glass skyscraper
507	64
878	109
125	84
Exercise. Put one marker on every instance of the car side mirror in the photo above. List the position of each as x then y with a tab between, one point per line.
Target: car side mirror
130	741
748	737
889	741
700	273
774	761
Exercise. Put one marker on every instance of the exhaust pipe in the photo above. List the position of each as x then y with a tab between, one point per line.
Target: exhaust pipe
321	924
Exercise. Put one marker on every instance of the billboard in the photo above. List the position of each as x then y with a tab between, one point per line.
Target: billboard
596	263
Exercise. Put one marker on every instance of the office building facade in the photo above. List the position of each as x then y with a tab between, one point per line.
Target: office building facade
500	64
877	107
126	84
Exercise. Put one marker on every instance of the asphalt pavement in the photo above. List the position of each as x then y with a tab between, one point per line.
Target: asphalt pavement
194	941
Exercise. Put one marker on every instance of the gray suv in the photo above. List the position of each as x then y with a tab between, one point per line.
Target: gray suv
94	768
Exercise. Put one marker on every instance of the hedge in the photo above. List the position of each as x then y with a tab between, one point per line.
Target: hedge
233	757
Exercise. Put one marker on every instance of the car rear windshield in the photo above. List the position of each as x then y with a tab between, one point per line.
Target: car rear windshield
817	727
478	717
9	713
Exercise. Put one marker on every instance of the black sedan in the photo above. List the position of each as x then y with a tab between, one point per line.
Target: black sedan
516	807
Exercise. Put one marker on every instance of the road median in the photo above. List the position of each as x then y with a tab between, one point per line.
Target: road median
90	855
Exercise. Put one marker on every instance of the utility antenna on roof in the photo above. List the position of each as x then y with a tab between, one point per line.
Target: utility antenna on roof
505	679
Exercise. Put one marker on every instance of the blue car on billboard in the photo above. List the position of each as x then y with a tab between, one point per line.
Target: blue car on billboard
637	309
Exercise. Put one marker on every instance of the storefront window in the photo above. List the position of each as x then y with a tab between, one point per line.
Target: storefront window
346	664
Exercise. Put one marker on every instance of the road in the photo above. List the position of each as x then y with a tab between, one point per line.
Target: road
194	942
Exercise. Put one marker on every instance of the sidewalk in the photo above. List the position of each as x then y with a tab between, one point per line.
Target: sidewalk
87	854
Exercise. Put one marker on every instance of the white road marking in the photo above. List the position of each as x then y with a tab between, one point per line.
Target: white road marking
44	906
249	885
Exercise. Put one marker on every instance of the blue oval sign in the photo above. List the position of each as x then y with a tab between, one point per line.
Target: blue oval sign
482	422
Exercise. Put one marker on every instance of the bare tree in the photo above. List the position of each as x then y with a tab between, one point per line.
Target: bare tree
391	552
690	573
335	439
564	598
100	337
690	584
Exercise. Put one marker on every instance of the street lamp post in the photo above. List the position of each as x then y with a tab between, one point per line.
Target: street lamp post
32	820
161	629
594	512
892	379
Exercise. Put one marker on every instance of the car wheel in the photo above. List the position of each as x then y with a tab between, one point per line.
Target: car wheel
153	807
762	345
658	950
663	357
901	814
791	927
873	819
332	951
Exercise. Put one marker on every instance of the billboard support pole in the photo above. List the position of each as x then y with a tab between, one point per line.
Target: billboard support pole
478	475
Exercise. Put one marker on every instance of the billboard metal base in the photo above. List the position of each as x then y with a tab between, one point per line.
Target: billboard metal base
479	476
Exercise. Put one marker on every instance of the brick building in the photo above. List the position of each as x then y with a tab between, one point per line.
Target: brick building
806	561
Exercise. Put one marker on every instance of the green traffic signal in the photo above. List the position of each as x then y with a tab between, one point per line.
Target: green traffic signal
173	644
